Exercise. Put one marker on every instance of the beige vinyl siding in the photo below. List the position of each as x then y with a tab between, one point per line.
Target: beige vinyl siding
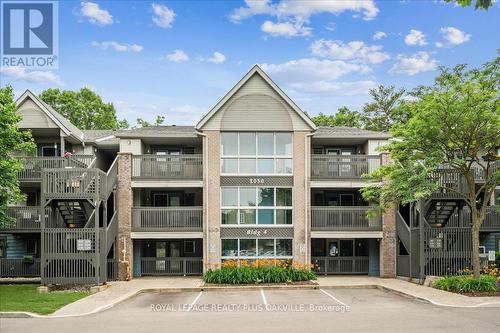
256	106
33	116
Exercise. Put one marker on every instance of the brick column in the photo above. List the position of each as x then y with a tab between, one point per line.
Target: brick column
299	192
211	232
388	242
124	208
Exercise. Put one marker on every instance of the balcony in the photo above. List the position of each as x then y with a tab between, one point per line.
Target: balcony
167	219
167	167
33	165
13	268
333	167
344	218
23	219
75	183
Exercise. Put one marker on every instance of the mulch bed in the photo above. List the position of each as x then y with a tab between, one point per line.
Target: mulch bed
293	283
483	294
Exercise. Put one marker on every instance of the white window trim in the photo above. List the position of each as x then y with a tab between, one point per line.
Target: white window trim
256	156
257	250
274	208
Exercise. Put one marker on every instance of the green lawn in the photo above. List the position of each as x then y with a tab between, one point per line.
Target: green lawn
24	297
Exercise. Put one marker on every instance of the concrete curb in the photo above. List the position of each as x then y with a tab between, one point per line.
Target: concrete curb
21	314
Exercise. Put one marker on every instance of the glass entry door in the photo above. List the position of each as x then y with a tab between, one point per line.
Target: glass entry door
174	254
333	248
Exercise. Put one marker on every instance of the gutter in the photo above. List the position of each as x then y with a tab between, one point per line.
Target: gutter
307	190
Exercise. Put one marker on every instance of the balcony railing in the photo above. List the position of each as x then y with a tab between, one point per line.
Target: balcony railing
74	183
172	167
19	268
25	218
171	266
350	218
167	218
33	165
341	265
324	167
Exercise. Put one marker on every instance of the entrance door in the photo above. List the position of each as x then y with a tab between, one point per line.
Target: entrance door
175	253
333	165
333	248
161	253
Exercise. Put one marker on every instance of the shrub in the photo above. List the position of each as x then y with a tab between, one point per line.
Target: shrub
467	284
259	271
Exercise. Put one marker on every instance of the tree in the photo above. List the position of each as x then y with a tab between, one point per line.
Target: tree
85	109
144	123
383	112
12	141
455	124
480	4
343	117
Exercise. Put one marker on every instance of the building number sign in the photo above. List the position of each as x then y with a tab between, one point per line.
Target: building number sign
256	180
256	233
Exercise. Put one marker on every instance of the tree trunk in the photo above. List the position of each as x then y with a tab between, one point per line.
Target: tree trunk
476	263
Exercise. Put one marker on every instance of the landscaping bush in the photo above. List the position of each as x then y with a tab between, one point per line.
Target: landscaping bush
260	271
467	284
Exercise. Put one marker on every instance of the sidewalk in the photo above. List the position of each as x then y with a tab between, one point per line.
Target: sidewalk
120	291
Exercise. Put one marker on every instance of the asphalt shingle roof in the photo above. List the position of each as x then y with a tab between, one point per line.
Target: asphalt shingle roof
349	132
159	131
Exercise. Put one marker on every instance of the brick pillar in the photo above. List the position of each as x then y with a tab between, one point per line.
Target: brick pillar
211	232
300	243
124	208
388	242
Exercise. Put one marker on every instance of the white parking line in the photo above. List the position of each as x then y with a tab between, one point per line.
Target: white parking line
263	296
333	297
195	300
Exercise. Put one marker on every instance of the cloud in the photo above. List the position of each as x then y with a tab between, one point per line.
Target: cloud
379	35
177	56
453	36
162	15
414	64
217	58
286	29
20	73
415	37
335	88
356	51
95	14
118	47
301	11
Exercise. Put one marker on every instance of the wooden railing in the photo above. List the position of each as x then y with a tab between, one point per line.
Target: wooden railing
172	266
33	165
19	267
23	218
343	218
340	265
74	183
167	166
343	166
112	269
167	218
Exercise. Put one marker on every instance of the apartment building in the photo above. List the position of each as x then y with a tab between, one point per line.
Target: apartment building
254	178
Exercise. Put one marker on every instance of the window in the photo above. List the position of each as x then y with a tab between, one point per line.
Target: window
256	153
32	247
189	247
256	205
256	248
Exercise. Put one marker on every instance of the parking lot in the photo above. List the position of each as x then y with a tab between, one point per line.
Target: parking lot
321	310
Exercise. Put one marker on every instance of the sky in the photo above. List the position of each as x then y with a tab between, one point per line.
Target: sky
178	58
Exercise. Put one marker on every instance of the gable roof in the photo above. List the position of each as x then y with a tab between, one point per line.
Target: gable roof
349	132
64	124
255	70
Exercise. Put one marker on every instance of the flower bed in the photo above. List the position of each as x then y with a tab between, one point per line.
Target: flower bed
467	284
258	272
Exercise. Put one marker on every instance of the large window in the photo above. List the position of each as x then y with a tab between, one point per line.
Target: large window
256	248
262	153
256	205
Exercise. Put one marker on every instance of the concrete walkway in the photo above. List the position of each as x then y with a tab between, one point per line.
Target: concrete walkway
120	291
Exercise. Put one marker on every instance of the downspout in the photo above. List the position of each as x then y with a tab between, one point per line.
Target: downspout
205	191
307	190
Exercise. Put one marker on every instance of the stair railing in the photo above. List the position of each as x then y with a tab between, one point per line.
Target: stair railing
91	220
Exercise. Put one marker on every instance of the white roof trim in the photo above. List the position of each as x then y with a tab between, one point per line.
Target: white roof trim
104	138
258	70
35	99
